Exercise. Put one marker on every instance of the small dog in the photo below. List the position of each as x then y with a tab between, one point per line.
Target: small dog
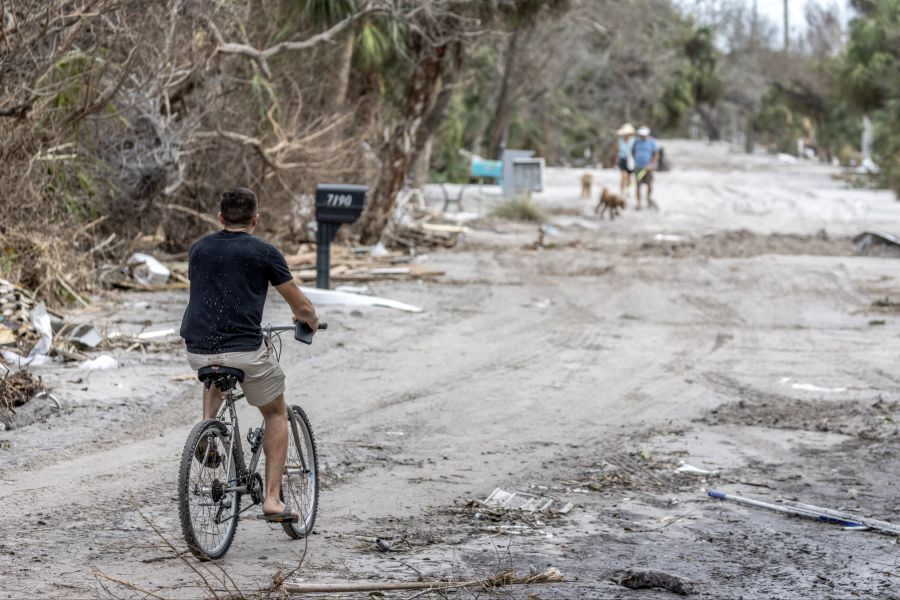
587	180
609	201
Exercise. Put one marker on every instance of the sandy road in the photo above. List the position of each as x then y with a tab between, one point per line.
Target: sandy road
528	367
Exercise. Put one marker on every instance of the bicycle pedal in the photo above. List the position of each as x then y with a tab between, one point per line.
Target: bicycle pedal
283	518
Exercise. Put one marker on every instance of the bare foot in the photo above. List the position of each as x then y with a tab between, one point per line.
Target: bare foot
273	506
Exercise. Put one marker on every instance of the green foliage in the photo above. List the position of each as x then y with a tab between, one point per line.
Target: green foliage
68	74
466	118
870	79
263	92
700	50
776	122
450	166
325	13
73	183
674	105
786	115
696	82
870	73
523	208
378	41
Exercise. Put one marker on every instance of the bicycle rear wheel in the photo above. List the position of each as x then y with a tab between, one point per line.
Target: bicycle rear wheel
300	481
208	513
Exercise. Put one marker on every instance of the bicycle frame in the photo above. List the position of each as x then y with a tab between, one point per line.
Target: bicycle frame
228	415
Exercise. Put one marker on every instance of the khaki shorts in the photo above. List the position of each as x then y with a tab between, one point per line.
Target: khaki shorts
263	377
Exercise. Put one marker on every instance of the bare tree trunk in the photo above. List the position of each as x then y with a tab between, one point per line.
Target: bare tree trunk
500	121
343	71
422	162
712	128
421	101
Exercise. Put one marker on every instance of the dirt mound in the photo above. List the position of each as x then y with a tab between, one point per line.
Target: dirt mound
871	419
743	243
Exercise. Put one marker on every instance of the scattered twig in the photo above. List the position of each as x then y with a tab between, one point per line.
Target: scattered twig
194	213
505	578
130	586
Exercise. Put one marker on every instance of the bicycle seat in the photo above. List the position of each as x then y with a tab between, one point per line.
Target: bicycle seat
225	378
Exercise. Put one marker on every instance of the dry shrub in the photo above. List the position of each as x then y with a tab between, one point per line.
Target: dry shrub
18	388
44	262
121	109
523	208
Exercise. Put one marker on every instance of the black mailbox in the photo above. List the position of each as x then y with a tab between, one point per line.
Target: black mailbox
339	203
336	203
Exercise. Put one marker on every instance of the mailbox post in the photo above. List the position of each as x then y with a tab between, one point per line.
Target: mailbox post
336	204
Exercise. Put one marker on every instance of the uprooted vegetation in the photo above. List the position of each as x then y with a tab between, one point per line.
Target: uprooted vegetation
16	389
123	121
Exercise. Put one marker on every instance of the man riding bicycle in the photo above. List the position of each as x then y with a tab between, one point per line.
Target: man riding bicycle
230	272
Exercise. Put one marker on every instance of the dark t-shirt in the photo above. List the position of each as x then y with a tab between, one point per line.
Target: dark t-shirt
230	273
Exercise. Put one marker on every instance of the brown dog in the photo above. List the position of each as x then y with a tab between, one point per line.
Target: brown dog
614	203
587	180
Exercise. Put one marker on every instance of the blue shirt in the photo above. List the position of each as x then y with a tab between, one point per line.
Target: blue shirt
625	147
643	150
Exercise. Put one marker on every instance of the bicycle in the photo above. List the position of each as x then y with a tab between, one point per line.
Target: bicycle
213	476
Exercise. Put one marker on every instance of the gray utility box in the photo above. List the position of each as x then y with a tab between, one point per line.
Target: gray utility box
528	175
336	204
522	172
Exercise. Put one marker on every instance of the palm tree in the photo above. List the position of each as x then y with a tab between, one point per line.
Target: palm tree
366	46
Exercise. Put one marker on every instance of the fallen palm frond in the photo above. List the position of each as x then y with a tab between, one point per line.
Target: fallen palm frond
501	579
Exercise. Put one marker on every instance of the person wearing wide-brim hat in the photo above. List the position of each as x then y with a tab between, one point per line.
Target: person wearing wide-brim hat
645	150
626	159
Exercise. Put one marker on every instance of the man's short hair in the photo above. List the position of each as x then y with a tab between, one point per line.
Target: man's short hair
238	206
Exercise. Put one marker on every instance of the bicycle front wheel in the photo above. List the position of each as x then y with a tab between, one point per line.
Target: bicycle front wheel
209	513
300	481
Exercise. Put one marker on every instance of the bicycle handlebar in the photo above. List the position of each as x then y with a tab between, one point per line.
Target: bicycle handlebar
272	328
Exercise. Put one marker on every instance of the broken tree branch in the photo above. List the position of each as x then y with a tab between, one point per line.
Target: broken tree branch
262	56
194	213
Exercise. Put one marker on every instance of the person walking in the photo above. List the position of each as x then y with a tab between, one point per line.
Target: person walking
646	158
626	157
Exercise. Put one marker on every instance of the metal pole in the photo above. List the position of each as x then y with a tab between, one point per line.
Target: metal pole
786	22
324	235
825	515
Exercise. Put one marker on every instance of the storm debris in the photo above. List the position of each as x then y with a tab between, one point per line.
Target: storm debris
550	575
645	579
17	388
517	501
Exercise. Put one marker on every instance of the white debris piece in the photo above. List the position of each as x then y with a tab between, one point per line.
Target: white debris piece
354	289
102	362
378	250
691	469
518	501
149	335
321	297
146	270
